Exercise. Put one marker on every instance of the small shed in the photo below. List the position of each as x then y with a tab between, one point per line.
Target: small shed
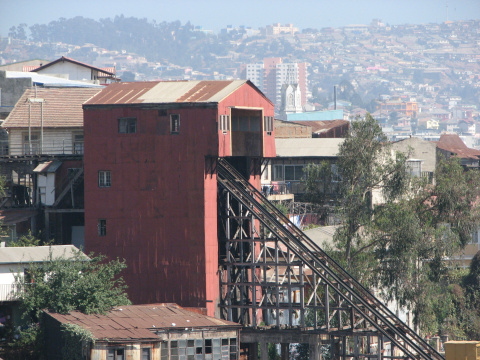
146	332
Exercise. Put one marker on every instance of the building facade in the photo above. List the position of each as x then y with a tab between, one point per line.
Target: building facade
150	179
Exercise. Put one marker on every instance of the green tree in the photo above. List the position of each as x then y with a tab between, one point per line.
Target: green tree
397	229
66	284
61	285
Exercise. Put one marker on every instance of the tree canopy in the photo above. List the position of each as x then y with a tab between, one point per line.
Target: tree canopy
65	284
397	229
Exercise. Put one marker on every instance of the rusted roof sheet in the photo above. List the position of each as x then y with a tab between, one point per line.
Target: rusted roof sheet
158	92
453	144
15	216
62	107
139	321
64	58
48	166
323	126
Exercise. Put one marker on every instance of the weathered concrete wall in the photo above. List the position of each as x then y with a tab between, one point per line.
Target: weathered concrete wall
11	90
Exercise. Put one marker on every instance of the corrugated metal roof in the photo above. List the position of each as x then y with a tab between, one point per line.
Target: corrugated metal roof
323	126
14	216
159	92
139	321
15	255
454	144
48	166
62	107
308	147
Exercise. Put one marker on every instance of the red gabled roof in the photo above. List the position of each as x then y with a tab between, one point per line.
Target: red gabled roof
63	58
452	143
168	92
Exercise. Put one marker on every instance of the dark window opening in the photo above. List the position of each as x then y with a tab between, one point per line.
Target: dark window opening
174	124
127	125
102	227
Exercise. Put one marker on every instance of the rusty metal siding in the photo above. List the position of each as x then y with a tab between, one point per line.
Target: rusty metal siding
248	97
155	208
161	208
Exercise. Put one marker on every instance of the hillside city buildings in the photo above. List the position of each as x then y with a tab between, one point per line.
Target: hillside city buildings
169	175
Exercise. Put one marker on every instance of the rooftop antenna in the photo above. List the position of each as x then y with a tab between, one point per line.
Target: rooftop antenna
446	8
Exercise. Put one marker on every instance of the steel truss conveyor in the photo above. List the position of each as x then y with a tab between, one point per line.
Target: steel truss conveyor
271	268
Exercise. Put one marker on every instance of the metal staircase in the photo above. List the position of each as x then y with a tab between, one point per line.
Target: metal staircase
272	268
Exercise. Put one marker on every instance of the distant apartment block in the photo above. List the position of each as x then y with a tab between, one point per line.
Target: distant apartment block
271	75
277	29
407	108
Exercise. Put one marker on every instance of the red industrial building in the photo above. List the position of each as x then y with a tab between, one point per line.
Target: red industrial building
151	184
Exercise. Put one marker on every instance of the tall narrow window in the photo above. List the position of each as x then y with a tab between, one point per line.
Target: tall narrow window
102	227
175	124
224	123
146	354
78	143
127	125
31	144
268	124
116	354
104	178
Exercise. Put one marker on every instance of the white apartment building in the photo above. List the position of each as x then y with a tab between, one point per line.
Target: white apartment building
256	74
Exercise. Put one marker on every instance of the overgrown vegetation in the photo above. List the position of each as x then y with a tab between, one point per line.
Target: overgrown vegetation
77	339
61	285
398	230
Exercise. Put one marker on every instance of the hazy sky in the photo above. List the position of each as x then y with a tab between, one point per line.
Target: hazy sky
217	14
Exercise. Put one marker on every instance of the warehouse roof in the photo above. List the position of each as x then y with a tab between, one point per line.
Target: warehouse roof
162	92
140	321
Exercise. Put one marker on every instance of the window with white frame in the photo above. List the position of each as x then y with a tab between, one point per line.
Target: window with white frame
224	123
268	124
174	124
104	178
102	227
127	125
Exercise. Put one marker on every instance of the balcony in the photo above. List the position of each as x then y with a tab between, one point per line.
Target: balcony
278	190
34	149
8	292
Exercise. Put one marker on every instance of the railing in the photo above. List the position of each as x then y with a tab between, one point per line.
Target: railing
56	148
8	292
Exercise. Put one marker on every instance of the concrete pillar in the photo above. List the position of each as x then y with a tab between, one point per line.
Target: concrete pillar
314	347
436	345
285	351
263	350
